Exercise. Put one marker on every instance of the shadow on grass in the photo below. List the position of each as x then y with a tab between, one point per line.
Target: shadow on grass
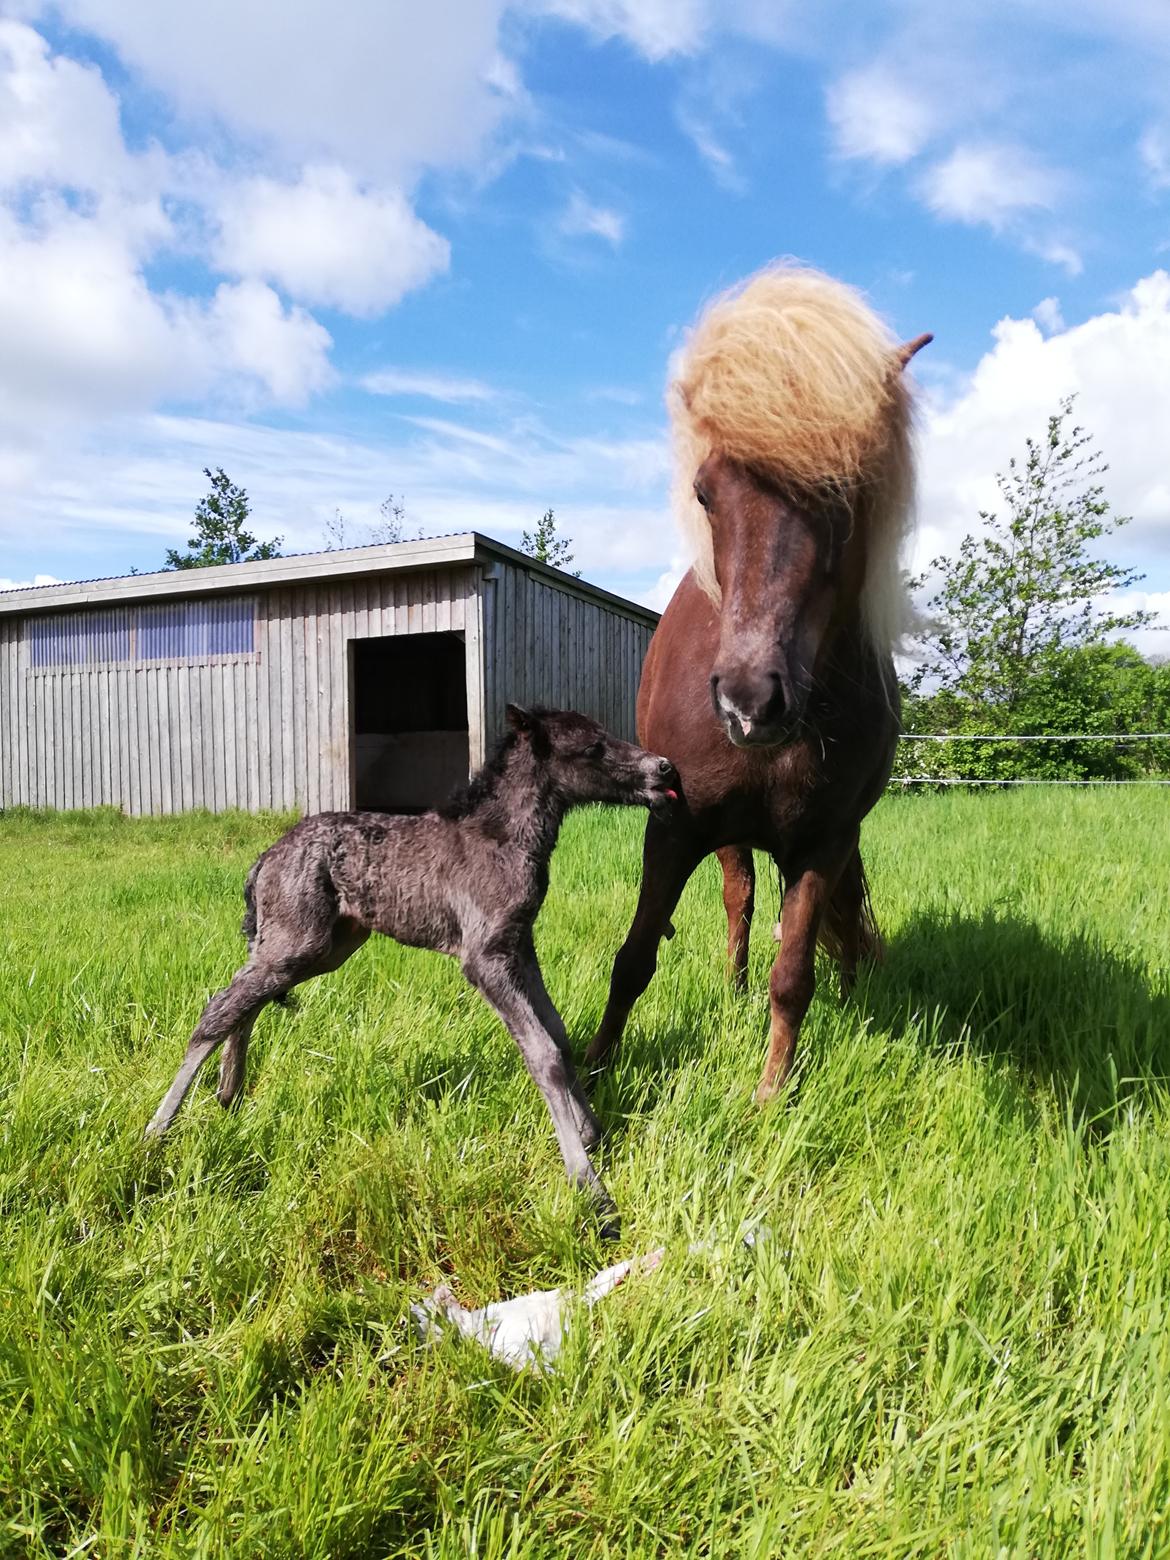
1072	1015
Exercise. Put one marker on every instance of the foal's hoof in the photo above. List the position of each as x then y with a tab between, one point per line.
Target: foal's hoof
609	1221
598	1053
591	1132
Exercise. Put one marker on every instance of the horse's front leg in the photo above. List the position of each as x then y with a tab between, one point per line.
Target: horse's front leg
793	978
668	858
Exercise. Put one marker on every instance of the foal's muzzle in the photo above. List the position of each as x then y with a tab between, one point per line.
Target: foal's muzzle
663	786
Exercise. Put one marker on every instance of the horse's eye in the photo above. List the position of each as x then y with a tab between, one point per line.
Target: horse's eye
595	750
702	497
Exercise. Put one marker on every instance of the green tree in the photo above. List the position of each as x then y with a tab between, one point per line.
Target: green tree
1030	586
1018	635
221	534
546	546
339	533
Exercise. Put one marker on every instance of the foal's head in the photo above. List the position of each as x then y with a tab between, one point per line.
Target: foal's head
586	763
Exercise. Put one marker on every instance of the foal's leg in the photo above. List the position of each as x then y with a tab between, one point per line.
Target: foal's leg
668	859
739	900
502	981
587	1123
231	1011
347	938
232	1062
793	978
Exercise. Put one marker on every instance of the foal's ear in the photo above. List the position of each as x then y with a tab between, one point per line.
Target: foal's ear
519	718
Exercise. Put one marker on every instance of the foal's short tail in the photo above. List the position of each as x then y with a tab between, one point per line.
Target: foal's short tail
249	923
844	908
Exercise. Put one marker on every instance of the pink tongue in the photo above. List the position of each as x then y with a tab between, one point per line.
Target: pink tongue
672	796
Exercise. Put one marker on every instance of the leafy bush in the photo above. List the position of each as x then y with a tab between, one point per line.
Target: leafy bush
1093	690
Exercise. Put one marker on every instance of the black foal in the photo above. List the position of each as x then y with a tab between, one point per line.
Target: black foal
467	880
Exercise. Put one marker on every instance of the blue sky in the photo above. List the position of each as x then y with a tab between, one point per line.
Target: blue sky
446	252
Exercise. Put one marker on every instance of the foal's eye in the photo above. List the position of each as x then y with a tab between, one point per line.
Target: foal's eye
702	498
595	750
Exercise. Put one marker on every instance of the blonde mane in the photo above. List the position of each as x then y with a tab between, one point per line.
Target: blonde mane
793	373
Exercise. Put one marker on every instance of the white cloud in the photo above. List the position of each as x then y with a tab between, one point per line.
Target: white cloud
58	120
656	28
620	395
326	241
1118	364
713	152
1048	316
383	89
37	579
82	332
582	219
1154	150
989	184
875	117
253	334
85	338
1056	252
135	489
435	387
1153	640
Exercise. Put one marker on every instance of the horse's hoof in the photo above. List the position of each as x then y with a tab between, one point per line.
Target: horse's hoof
770	1088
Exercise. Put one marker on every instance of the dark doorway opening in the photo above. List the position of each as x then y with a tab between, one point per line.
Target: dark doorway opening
410	741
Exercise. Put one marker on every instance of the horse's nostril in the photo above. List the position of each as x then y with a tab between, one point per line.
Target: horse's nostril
665	767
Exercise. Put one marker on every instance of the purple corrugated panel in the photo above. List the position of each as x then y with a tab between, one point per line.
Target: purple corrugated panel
163	631
194	630
80	638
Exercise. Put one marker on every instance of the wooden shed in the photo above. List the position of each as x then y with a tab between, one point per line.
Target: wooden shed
371	677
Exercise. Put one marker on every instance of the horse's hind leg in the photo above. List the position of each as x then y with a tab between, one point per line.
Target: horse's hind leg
668	859
849	932
739	900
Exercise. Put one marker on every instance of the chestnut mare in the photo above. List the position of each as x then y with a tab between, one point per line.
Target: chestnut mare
770	681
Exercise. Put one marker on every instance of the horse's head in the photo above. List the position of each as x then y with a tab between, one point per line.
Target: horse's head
786	571
789	571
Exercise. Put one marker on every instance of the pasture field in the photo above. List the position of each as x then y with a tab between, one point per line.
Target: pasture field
954	1341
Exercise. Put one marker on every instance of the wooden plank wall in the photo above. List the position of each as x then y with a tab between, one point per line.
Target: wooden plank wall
548	645
266	730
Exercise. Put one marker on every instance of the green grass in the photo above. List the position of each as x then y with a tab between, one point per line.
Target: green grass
955	1341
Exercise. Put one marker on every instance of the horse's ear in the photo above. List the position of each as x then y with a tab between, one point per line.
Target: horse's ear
519	718
908	348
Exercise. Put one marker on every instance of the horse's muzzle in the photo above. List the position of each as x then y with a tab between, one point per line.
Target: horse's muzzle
753	717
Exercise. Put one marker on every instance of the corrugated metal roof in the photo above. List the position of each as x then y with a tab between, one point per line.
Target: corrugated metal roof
299	568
